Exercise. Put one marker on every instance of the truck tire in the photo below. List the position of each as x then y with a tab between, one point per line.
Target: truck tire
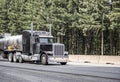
44	59
3	55
20	59
63	63
10	57
15	58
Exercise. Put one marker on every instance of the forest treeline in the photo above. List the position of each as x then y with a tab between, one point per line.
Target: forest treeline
84	26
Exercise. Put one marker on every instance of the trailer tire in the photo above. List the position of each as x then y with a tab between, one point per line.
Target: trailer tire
15	58
3	55
63	63
44	59
10	57
20	59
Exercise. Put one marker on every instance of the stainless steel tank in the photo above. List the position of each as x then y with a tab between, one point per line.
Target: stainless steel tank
13	41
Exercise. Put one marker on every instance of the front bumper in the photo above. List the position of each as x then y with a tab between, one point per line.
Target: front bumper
58	59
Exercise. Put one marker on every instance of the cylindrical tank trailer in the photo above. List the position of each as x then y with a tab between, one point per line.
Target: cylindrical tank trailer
10	43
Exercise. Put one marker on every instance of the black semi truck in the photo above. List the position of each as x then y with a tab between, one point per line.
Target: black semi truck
33	46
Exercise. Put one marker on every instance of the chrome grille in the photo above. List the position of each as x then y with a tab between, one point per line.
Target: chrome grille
58	49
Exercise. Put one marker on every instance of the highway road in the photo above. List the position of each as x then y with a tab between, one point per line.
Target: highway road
27	72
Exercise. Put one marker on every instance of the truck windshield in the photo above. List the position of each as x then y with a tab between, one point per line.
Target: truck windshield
46	40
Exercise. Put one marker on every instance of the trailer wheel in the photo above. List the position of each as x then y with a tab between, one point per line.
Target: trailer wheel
3	55
20	59
15	58
63	63
44	60
10	57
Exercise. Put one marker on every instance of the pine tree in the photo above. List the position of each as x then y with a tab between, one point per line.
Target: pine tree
115	25
4	20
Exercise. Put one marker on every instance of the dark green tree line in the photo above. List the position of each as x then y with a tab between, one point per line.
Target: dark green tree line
84	26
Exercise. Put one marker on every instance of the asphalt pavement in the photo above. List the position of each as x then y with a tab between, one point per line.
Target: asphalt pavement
72	72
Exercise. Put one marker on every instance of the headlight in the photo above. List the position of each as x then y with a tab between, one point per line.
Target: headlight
65	53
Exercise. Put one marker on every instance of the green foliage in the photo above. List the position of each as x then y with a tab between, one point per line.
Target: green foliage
115	14
78	23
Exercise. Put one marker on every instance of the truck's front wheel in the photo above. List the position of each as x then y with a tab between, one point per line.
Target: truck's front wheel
44	60
10	57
